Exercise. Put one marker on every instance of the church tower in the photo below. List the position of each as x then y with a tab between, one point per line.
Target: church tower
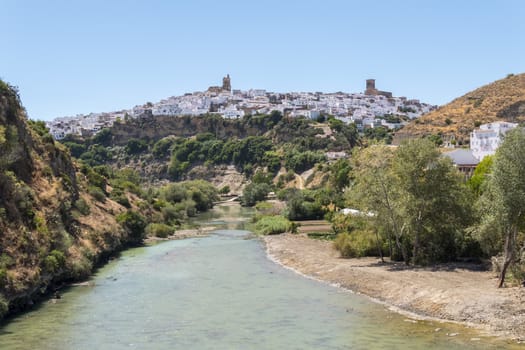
226	83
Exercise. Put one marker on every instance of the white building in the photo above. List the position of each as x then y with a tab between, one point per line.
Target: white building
355	108
485	140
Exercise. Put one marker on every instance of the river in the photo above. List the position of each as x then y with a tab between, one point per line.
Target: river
219	292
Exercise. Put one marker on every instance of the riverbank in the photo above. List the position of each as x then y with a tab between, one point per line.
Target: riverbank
182	234
462	293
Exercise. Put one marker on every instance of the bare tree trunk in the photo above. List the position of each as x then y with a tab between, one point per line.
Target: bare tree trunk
415	252
401	247
379	247
397	233
390	245
509	254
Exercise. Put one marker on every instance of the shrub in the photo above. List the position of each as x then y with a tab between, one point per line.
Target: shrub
97	193
436	139
54	261
158	204
189	207
225	190
358	244
122	199
301	161
103	137
4	306
254	193
174	193
39	127
134	224
262	177
82	206
3	275
76	149
94	178
159	230
172	214
162	147
302	205
135	146
47	172
271	225
79	268
478	102
263	206
518	272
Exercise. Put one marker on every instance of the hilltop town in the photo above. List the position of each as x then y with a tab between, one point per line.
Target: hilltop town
369	109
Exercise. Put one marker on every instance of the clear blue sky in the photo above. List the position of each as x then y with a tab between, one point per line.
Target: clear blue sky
70	57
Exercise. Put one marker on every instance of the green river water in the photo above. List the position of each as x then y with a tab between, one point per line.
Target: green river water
220	292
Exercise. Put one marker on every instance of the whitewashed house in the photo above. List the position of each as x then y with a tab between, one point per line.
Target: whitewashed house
485	140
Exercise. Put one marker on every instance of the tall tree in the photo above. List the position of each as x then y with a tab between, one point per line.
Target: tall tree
374	190
507	194
433	199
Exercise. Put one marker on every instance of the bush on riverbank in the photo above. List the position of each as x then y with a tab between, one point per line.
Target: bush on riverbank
357	244
275	224
4	306
134	224
159	230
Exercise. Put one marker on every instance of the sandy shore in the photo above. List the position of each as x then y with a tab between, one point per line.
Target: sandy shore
454	292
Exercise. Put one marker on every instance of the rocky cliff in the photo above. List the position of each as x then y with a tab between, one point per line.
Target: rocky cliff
51	230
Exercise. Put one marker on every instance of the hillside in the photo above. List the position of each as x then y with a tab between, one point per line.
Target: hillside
51	228
501	100
223	151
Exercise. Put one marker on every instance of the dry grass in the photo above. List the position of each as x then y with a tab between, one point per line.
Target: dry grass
501	100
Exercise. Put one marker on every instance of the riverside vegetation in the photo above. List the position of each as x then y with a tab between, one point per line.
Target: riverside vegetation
66	206
60	218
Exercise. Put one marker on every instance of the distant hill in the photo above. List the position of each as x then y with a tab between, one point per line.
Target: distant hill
501	100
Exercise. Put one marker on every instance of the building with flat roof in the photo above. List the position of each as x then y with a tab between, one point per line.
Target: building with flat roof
485	140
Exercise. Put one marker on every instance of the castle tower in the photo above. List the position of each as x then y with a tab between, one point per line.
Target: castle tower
226	83
372	91
370	84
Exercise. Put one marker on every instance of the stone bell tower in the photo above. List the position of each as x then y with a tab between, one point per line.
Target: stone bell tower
226	83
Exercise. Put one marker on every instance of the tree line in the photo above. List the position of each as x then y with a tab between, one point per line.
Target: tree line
420	209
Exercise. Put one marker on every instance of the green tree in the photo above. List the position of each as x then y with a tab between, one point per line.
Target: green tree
135	146
433	199
340	174
254	193
162	147
379	133
374	190
103	137
416	196
478	179
134	224
506	196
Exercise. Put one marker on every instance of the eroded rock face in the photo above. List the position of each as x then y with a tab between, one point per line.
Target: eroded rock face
155	128
220	176
16	142
43	238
